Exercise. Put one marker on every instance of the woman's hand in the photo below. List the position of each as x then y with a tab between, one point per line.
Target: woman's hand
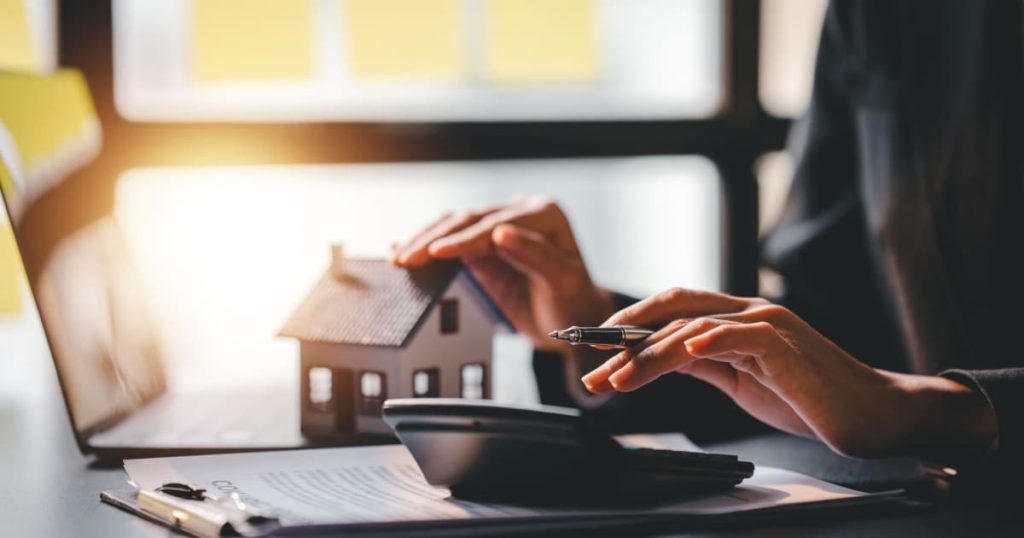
782	371
526	258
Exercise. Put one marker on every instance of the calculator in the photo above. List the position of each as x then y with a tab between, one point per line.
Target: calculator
546	455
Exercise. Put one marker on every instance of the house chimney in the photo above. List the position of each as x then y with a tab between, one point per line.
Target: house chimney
338	260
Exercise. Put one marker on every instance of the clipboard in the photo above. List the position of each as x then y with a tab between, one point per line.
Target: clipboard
885	503
198	516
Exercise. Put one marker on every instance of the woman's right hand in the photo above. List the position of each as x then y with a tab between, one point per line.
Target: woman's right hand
524	255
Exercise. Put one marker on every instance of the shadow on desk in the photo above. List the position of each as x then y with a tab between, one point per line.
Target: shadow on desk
815	459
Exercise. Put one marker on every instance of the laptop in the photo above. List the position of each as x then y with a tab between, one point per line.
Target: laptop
110	367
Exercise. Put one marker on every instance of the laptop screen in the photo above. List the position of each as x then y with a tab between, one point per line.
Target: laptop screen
90	306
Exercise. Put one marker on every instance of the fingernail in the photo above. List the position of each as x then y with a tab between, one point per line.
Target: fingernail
588	380
438	246
504	236
622	375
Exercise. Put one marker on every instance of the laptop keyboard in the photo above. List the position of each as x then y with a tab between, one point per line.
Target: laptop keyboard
243	418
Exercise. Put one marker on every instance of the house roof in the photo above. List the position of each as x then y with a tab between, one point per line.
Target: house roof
374	304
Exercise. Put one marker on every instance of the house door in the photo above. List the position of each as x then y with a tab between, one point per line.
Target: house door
344	385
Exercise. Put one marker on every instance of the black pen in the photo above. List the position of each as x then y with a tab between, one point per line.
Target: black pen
617	336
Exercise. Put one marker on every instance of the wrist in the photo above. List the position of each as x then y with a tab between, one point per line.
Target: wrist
945	421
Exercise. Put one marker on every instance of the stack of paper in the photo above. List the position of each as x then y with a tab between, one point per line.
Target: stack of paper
378	488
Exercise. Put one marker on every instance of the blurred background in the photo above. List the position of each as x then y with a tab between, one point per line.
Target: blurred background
232	140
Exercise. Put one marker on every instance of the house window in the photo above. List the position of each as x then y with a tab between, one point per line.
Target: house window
372	392
473	381
320	388
426	383
449	316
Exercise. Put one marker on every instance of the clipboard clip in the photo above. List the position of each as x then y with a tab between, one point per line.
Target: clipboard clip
190	509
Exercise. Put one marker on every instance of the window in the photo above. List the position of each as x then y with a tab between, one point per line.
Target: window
372	392
789	42
474	377
628	236
420	60
704	62
426	383
449	316
320	388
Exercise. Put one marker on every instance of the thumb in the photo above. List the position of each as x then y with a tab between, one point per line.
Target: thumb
532	254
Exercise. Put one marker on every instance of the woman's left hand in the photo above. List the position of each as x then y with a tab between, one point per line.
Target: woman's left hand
782	371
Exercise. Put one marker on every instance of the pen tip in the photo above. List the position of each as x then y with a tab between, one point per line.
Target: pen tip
553	334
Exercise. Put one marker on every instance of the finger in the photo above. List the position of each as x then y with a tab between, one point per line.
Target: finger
660	358
398	249
471	241
597	380
717	374
771	313
532	254
759	340
537	214
752	396
676	303
416	252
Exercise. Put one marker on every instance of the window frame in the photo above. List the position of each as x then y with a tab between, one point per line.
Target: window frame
310	386
732	139
448	311
434	374
371	405
484	392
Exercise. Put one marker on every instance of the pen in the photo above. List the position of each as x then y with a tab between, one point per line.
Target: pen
617	336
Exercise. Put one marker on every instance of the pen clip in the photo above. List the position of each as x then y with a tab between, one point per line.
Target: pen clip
189	508
182	491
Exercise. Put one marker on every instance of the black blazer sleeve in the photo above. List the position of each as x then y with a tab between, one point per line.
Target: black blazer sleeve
1004	389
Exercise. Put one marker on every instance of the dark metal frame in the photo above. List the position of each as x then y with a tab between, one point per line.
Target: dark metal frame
733	139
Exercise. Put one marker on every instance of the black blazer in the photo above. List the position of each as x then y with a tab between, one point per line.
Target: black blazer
903	235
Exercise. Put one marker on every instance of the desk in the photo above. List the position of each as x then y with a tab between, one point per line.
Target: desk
49	489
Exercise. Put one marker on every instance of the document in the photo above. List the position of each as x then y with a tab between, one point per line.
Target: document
384	484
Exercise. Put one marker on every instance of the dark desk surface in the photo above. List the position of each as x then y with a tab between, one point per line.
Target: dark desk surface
49	489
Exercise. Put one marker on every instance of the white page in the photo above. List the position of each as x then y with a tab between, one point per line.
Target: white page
377	484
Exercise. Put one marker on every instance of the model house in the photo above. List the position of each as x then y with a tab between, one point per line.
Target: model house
369	331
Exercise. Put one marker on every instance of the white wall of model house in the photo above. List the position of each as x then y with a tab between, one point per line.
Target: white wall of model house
472	343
